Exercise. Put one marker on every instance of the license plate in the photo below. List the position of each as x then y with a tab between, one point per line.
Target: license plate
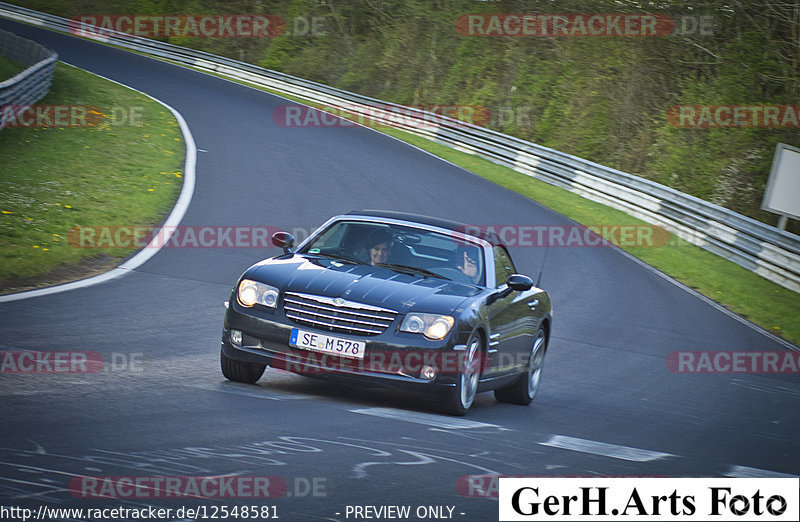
327	344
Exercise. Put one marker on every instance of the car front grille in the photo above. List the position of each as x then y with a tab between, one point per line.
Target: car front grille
337	315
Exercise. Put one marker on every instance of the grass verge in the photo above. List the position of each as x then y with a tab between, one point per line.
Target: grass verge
118	165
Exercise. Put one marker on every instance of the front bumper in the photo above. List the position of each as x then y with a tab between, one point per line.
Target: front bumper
392	359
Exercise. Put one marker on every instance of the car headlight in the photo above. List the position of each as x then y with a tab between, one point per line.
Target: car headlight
432	326
252	292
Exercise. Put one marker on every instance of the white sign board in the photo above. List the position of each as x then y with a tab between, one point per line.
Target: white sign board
782	195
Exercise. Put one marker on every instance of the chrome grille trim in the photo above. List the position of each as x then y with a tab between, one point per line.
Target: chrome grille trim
334	327
331	308
345	317
323	318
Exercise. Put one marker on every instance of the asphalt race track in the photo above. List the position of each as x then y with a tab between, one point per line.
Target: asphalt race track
608	406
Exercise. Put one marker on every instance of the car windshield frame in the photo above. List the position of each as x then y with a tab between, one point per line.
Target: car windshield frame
483	246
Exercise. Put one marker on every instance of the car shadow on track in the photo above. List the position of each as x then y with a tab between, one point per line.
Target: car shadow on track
292	386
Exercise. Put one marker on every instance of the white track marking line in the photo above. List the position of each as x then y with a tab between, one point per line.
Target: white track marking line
604	449
428	419
746	472
256	393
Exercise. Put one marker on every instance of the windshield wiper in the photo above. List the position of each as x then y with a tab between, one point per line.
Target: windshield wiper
412	270
338	257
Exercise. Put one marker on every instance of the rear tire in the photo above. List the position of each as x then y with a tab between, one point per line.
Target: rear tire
524	390
240	371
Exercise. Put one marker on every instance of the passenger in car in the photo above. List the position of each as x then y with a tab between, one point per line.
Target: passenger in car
468	263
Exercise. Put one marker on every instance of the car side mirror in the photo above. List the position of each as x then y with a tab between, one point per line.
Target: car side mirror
515	282
519	282
283	240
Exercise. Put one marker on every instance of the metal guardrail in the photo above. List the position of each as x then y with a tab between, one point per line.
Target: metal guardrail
32	84
761	248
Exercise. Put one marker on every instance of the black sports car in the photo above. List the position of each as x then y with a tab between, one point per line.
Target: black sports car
396	299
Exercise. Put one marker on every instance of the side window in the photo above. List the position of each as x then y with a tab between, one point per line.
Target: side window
503	265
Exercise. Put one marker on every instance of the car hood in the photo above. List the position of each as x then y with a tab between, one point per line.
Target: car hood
366	284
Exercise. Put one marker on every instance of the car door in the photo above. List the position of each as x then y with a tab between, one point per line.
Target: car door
511	320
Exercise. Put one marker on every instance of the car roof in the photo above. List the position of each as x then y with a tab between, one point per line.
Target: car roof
447	224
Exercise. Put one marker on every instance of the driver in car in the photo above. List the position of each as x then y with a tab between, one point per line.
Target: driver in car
379	245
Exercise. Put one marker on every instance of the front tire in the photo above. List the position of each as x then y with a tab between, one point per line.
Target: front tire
460	399
240	371
524	390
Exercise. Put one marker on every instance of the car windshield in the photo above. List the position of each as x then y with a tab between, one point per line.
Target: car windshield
401	248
